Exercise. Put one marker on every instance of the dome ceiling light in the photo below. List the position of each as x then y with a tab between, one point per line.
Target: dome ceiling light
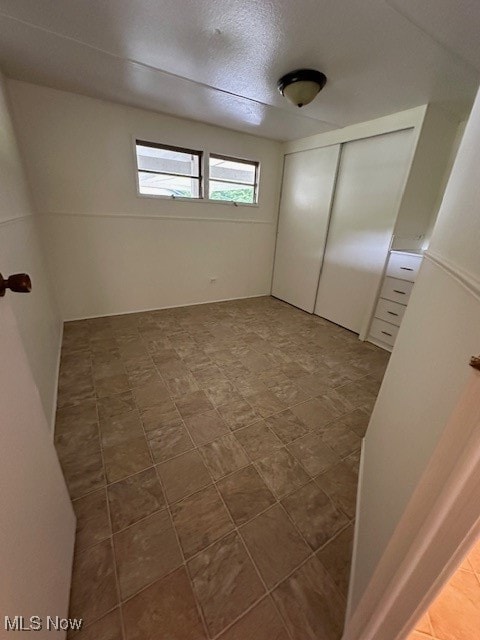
301	86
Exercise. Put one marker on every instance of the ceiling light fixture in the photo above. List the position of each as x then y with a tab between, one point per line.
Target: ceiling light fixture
301	86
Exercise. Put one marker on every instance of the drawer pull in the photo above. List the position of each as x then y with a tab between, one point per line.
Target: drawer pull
406	268
398	291
387	334
392	313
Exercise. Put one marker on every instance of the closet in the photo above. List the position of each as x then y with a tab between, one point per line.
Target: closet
338	210
307	189
371	177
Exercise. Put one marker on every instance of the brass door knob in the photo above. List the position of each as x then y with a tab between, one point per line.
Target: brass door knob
18	282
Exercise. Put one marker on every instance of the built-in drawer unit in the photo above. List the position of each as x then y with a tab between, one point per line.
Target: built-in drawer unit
403	265
383	331
390	311
402	269
396	290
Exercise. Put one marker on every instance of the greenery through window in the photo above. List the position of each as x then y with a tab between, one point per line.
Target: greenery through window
232	180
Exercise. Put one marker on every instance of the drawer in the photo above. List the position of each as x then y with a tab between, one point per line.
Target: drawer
390	311
396	290
383	331
404	266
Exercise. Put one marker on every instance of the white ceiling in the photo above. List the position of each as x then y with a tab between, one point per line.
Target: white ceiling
218	61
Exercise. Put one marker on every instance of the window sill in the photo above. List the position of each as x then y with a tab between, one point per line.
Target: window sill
199	200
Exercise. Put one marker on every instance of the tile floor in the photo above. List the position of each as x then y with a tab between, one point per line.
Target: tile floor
455	613
211	454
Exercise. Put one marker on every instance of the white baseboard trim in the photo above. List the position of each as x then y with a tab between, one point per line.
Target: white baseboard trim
173	306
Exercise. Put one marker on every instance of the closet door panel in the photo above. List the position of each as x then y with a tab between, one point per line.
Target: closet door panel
370	181
308	182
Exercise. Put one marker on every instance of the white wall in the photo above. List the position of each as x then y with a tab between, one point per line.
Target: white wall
111	251
429	365
20	251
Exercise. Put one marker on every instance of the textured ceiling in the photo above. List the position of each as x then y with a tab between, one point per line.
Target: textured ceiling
218	62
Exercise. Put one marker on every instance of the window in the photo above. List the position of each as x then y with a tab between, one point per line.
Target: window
233	180
168	171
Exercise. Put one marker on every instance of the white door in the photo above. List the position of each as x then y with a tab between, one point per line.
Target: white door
308	183
370	181
37	525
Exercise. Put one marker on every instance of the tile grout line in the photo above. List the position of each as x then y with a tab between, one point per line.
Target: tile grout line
197	448
175	532
112	545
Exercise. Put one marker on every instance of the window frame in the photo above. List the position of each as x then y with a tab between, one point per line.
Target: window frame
255	184
158	145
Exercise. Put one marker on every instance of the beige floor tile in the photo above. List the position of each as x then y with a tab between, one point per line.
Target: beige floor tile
93	523
274	544
107	628
238	413
150	395
135	498
127	458
112	385
310	604
282	472
223	456
314	455
167	609
287	426
143	375
357	421
355	394
336	557
165	413
288	392
147	366
111	406
258	440
225	582
69	419
200	520
314	514
340	484
120	429
222	393
169	441
183	475
83	474
260	623
315	413
245	494
205	427
145	552
192	403
178	387
93	591
341	439
455	614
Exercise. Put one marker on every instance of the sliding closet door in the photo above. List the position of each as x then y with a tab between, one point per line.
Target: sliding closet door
370	180
308	182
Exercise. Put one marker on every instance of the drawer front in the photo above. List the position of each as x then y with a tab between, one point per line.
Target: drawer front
396	290
404	266
383	331
390	311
